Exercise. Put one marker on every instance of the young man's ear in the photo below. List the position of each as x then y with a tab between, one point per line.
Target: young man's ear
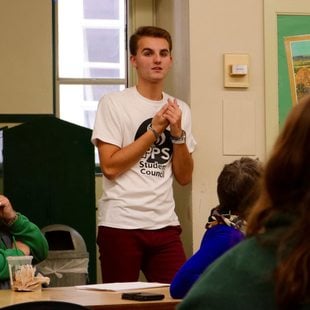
133	61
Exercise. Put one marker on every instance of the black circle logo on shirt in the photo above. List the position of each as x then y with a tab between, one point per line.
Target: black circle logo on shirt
161	151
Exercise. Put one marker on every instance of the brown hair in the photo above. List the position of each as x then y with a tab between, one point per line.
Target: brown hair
148	31
286	190
237	185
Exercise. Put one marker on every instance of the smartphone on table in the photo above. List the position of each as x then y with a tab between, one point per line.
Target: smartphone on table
142	296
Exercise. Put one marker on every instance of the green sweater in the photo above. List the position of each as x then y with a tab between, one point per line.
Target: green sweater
27	232
241	279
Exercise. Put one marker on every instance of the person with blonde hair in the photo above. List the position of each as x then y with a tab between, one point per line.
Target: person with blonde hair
271	268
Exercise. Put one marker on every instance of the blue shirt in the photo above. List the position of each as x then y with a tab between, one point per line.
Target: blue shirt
216	241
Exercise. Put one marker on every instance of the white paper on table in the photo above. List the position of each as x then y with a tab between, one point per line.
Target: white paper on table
121	286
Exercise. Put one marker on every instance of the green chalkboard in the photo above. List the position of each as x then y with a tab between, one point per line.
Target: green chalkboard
288	25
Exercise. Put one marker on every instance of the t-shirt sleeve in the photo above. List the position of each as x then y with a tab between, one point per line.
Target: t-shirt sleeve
107	127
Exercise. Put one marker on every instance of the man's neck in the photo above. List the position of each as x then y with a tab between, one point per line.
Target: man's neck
150	91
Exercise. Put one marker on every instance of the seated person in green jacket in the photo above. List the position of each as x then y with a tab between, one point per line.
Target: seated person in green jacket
270	269
18	236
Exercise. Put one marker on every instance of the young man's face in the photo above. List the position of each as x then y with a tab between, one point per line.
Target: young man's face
153	59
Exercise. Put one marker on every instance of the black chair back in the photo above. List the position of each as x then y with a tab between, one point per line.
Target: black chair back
45	305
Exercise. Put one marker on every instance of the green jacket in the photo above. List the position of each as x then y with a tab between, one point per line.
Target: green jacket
241	279
27	232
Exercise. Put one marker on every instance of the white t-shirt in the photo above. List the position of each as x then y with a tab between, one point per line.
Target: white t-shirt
142	197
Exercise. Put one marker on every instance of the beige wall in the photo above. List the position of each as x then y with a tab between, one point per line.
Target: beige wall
203	31
218	27
26	57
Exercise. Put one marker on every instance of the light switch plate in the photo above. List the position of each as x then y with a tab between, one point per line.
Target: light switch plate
236	80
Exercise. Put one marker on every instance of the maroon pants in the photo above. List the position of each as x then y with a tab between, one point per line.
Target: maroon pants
123	253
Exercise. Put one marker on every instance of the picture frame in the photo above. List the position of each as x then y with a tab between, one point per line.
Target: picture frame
273	9
297	50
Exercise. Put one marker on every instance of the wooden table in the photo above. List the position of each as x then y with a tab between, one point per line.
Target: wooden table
92	299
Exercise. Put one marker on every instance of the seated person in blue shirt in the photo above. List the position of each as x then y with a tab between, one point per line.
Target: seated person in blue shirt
237	189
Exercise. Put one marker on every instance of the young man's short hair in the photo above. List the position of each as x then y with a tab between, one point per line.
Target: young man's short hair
148	31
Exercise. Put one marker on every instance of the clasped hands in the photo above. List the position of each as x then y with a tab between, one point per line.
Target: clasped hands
169	114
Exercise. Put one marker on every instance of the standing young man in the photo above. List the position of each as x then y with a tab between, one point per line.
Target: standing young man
144	140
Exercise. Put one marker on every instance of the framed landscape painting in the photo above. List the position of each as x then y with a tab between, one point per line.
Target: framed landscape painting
286	38
297	50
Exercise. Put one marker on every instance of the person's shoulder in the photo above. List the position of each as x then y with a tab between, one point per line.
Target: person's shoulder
244	254
119	94
222	228
242	268
126	91
223	235
116	98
